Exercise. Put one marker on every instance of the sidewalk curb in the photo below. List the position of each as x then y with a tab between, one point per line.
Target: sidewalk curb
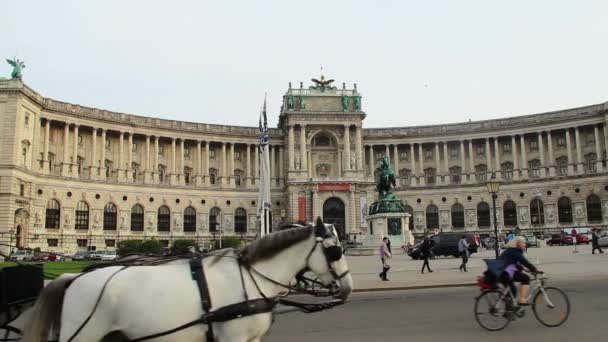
414	287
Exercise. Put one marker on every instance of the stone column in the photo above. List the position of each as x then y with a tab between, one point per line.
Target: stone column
45	149
463	165
199	164
148	164
94	165
314	204
248	172
413	164
65	165
371	160
579	155
182	162
358	148
421	162
347	147
303	156
256	171
387	152
524	158
569	149
488	159
396	158
281	166
541	150
121	161
515	158
551	161
75	153
272	165
437	165
353	216
102	166
472	174
446	167
605	139
497	157
598	150
290	145
155	177
223	165
232	168
206	164
130	157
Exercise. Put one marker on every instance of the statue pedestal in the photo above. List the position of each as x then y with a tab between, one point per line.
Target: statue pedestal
393	225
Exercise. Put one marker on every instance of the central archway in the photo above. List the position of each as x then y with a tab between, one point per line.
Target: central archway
334	213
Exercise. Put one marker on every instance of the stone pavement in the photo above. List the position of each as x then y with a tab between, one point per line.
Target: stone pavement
557	262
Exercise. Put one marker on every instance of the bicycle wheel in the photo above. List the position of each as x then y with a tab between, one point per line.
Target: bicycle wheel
551	308
491	311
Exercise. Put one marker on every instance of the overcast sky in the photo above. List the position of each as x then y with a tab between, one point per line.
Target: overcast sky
416	62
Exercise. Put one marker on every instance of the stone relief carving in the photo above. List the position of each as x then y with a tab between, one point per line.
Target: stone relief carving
150	220
550	213
523	214
253	222
124	220
579	210
353	161
67	218
177	220
297	161
227	223
445	217
605	205
204	221
38	216
471	217
419	218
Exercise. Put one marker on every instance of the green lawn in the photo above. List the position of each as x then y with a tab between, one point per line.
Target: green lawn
56	268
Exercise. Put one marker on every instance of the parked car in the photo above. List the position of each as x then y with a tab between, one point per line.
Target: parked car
22	255
43	256
603	240
531	241
583	239
96	255
446	244
109	256
81	255
560	240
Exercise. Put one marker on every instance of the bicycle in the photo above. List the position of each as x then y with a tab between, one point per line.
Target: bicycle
550	305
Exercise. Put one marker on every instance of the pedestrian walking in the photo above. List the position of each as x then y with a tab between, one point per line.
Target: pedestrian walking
463	249
595	241
425	253
385	256
510	236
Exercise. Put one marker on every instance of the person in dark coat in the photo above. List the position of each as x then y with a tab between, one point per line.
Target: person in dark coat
425	253
595	241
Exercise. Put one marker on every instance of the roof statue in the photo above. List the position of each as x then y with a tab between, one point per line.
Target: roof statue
322	84
17	67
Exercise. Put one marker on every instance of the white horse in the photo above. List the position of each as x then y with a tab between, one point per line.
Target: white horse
116	303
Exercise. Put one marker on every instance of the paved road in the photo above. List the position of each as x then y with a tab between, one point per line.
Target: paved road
442	315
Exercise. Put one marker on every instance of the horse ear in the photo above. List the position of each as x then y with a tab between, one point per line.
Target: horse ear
320	228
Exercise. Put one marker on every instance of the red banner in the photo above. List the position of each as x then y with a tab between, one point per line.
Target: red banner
302	209
330	187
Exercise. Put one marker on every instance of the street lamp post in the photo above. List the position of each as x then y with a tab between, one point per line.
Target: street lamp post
493	187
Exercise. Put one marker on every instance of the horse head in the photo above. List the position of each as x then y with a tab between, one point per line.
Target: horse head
327	261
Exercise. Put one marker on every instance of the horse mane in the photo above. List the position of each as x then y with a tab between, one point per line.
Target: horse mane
268	246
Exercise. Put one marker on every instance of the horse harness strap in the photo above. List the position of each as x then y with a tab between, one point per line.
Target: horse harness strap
223	314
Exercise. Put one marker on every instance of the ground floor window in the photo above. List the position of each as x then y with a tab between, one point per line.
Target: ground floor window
110	243
52	242
81	242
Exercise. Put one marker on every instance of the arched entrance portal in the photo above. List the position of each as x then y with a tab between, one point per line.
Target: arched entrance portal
334	213
18	236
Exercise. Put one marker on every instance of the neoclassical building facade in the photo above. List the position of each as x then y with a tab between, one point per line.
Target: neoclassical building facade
74	177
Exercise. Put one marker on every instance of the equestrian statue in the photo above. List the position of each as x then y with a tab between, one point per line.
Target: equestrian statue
386	181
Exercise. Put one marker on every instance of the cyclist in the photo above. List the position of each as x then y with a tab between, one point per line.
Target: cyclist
514	263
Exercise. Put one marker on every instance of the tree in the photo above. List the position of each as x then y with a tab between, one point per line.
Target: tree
139	247
182	246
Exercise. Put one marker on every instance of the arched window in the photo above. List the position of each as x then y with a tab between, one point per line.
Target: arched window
53	212
214	219
163	218
564	210
322	140
509	213
537	211
457	216
240	221
137	218
594	209
82	215
410	211
189	219
432	216
483	215
109	217
187	173
212	176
